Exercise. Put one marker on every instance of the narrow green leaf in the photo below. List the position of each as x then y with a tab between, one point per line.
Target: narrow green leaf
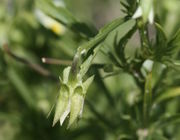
174	43
170	93
166	121
101	35
87	63
156	136
119	48
161	43
161	35
125	5
83	49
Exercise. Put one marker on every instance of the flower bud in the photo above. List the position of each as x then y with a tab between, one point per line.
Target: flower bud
71	97
145	10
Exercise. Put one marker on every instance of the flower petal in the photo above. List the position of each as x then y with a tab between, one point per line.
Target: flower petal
138	13
151	16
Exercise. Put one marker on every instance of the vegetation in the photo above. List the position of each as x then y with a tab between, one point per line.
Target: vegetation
63	78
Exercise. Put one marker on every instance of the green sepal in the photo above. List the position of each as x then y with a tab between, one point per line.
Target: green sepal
77	101
87	83
66	74
62	103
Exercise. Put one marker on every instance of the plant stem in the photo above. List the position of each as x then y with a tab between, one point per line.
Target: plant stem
55	61
101	36
34	66
143	38
147	99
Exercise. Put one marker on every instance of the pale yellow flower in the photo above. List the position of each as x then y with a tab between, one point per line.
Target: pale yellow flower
50	23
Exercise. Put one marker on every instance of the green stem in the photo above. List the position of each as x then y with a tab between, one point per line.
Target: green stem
148	83
101	36
143	38
147	99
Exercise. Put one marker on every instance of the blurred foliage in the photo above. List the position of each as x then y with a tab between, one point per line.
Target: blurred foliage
135	92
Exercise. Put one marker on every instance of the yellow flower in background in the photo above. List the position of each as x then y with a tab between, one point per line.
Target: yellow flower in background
57	28
50	23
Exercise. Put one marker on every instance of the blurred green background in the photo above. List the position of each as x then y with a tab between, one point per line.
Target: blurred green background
28	88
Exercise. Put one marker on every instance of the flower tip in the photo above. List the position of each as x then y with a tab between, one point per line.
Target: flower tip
138	13
65	114
151	16
54	122
70	124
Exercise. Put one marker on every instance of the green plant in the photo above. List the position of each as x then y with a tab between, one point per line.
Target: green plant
132	64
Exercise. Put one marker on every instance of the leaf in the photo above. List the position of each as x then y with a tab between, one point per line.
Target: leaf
83	49
101	35
129	6
170	93
156	136
164	49
120	46
87	63
161	43
108	68
165	121
124	4
174	43
161	35
157	73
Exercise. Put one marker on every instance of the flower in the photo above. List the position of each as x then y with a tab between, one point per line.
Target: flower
145	10
49	23
71	98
